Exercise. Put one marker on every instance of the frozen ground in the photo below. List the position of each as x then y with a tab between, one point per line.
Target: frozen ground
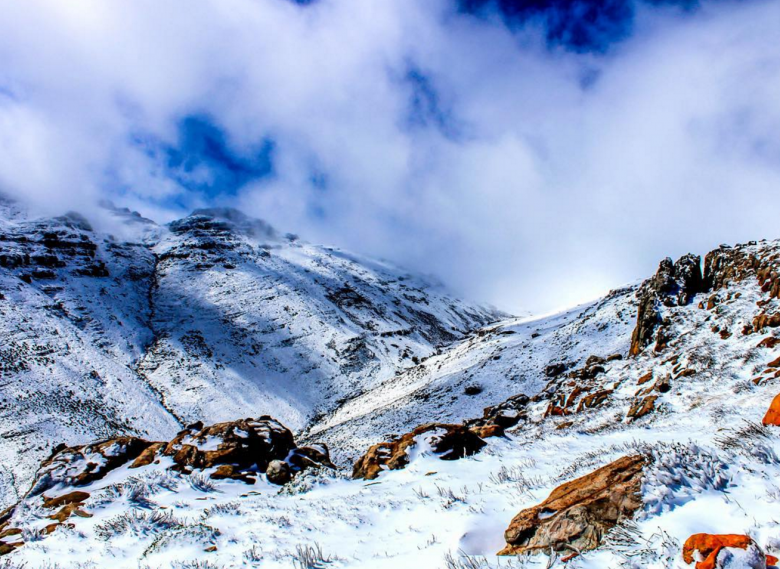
714	468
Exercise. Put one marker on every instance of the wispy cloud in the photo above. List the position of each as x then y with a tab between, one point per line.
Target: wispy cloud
531	154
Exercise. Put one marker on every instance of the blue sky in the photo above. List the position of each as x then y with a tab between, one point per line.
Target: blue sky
530	154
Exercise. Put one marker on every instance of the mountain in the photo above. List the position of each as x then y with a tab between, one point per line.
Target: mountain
213	317
638	431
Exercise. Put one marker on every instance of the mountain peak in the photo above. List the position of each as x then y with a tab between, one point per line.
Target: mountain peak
224	219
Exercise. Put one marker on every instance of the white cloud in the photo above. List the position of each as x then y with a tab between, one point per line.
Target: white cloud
548	192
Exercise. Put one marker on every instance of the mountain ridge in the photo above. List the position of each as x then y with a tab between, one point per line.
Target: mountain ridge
214	316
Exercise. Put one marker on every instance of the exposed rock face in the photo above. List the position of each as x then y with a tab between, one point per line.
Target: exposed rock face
709	548
673	285
450	442
237	450
577	515
642	407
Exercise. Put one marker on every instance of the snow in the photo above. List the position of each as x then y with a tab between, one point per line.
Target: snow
264	338
172	335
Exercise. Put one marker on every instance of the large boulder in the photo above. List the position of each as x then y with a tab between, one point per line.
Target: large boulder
449	442
578	514
244	444
81	465
725	551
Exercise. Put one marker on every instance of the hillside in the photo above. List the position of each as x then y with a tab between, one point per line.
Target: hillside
212	317
625	433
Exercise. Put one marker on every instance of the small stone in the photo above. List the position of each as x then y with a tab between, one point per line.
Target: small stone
278	472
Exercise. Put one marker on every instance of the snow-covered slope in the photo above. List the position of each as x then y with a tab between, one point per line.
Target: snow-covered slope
485	368
248	319
143	328
691	400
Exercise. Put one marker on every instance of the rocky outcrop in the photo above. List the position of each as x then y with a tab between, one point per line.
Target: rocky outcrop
642	406
449	442
708	549
245	444
504	415
81	465
674	284
578	514
236	450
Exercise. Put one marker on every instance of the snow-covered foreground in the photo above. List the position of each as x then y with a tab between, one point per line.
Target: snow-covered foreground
419	516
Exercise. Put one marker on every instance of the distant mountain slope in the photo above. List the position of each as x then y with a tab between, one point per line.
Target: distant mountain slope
213	317
485	368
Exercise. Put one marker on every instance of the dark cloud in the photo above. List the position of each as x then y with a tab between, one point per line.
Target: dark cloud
579	25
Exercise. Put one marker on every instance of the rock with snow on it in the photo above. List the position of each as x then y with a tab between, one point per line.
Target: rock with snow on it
278	472
449	442
729	551
641	407
674	284
578	514
314	455
244	444
80	465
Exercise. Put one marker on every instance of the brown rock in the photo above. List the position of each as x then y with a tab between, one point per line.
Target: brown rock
314	455
242	443
577	515
688	372
75	466
674	284
68	511
148	456
594	400
769	342
278	472
228	471
642	407
645	378
450	442
75	497
487	431
9	532
6	548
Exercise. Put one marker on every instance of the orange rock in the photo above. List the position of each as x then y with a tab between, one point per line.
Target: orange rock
450	442
76	497
580	512
645	378
486	431
709	546
594	400
772	416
